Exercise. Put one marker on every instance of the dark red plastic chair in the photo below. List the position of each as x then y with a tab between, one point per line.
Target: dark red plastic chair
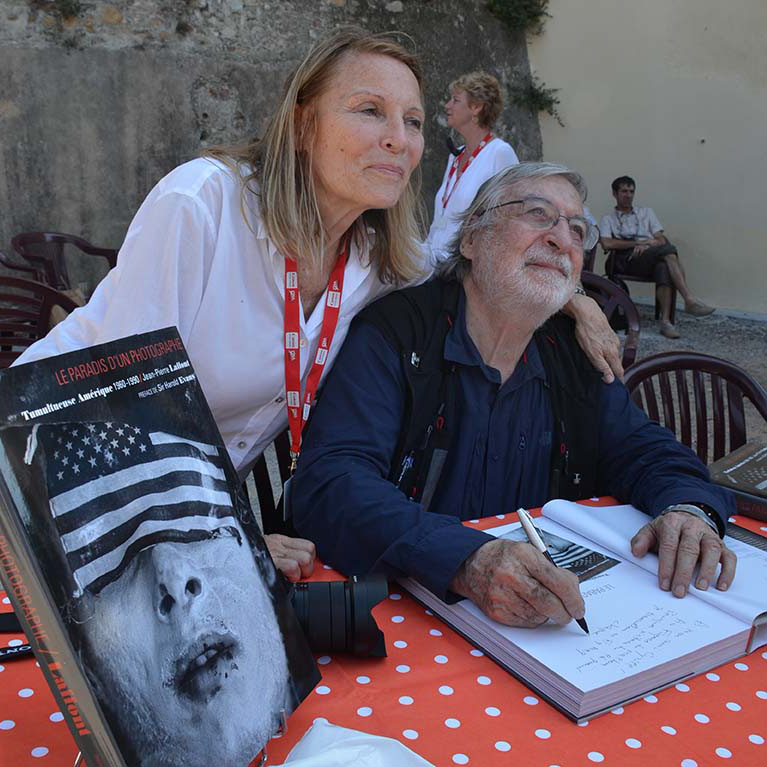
704	395
25	314
612	300
45	251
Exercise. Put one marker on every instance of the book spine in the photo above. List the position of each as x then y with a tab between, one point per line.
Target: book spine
750	506
42	626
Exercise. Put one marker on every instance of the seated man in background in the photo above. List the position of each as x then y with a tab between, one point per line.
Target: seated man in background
634	236
463	397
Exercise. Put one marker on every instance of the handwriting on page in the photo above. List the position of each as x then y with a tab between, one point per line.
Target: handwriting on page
631	647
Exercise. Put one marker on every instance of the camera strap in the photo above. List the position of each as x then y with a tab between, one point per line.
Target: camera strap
298	413
447	195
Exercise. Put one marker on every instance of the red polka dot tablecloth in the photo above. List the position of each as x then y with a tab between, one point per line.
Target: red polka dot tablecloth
444	699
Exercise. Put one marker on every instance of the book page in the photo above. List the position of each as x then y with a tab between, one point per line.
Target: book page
634	626
614	526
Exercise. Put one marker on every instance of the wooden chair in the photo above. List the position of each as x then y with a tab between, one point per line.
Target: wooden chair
271	508
663	382
25	314
45	251
621	279
612	299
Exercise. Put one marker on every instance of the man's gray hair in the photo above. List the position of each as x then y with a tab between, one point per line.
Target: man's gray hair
480	214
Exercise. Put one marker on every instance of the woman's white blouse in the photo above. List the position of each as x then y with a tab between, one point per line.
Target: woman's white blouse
191	260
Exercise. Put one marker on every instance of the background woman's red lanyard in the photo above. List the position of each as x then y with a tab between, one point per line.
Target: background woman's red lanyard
445	195
298	414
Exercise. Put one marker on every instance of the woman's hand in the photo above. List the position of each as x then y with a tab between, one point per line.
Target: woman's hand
596	337
293	557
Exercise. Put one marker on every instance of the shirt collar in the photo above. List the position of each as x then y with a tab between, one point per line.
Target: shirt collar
460	348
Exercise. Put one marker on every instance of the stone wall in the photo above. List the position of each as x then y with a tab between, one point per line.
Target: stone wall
98	101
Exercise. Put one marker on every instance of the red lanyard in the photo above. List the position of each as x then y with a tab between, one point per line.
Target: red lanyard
482	144
297	415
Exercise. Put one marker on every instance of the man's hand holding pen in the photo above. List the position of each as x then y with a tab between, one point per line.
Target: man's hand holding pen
512	583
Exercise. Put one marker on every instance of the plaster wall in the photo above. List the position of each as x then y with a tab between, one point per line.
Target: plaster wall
673	94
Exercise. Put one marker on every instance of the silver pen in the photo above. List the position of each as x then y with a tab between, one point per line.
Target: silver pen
537	541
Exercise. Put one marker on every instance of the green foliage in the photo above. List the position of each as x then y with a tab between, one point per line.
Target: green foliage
535	97
527	16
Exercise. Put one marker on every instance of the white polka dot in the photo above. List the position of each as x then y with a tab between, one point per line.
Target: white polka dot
634	743
582	724
406	700
650	699
402	668
363	680
460	759
712	677
474	521
723	752
502	745
2	668
428	612
26	693
395	596
364	711
730	519
322	690
56	716
397	619
617	711
476	654
530	700
741	666
763	528
500	516
323	660
764	655
595	756
453	724
493	711
758	739
688	763
484	680
7	724
15	642
39	751
761	694
445	690
733	706
435	632
440	658
542	734
702	718
400	643
327	567
683	687
410	734
668	730
6	601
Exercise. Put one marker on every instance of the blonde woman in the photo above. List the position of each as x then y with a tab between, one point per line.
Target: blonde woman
331	188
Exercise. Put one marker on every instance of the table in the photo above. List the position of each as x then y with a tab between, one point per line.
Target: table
453	706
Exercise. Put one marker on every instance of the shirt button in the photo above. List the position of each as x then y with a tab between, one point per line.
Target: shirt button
494	457
241	445
303	343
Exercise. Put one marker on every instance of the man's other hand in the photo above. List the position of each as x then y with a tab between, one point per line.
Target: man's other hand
513	583
293	557
683	541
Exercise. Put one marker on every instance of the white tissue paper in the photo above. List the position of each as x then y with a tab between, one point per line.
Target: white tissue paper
328	745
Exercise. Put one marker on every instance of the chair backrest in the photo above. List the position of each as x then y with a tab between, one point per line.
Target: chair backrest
611	299
18	268
701	399
46	252
271	471
25	314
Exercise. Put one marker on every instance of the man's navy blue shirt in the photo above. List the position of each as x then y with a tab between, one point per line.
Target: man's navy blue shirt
359	520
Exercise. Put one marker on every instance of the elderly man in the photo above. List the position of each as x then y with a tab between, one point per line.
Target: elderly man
464	397
634	237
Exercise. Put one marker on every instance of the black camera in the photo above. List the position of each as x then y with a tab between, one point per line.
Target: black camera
335	615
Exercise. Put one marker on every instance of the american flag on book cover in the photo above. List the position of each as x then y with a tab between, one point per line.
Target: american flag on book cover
115	490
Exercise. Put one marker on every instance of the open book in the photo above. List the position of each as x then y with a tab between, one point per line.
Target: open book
641	638
134	564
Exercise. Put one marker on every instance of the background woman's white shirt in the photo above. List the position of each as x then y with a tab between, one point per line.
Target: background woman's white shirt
191	260
495	156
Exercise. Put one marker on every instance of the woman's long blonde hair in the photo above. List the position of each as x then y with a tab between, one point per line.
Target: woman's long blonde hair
287	196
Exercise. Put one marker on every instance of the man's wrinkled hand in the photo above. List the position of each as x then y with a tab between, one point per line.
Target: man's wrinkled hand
596	337
513	583
294	557
682	542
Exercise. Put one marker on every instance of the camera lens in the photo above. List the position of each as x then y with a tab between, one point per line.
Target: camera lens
335	615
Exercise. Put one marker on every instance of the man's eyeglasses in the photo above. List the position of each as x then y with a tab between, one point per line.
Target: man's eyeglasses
541	214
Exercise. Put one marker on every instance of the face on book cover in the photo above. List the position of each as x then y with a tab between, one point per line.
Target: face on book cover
190	654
